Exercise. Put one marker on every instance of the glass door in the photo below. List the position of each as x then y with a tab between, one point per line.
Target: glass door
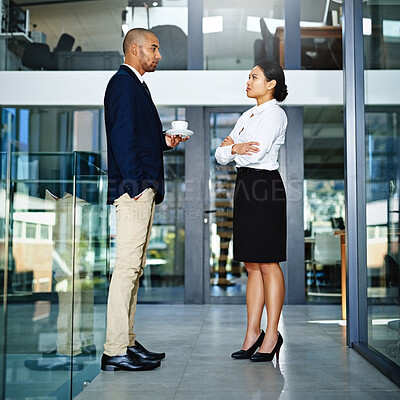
381	333
227	278
382	172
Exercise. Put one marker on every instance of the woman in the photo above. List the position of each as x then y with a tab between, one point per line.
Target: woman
259	217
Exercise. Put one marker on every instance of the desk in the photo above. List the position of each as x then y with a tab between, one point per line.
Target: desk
23	37
16	41
328	31
342	235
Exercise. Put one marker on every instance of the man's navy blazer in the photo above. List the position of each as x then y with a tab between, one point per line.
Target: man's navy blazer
135	141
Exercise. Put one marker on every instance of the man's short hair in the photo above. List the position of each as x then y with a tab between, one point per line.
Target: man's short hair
134	36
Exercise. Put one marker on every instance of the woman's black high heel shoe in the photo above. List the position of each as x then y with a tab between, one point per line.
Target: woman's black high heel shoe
246	354
269	356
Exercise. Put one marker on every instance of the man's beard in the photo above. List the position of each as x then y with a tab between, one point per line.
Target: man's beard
151	68
148	67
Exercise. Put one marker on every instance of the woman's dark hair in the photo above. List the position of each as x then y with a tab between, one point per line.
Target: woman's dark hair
273	70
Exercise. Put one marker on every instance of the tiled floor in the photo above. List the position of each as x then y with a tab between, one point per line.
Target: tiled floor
314	361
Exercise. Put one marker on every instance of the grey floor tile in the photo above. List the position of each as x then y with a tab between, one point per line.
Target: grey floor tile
314	361
227	394
132	393
167	377
338	394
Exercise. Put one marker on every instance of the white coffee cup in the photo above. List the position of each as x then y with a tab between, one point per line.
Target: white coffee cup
179	125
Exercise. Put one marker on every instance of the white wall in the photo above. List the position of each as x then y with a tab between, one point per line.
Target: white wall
189	88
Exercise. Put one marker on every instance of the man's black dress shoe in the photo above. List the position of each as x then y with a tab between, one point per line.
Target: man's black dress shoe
246	354
57	363
127	363
87	351
144	354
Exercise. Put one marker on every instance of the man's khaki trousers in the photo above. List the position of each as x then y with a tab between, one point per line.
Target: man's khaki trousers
134	222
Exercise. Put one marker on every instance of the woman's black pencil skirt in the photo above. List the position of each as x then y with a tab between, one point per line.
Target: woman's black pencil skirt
259	217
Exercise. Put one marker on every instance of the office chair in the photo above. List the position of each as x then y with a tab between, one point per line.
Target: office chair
65	43
337	223
38	56
270	42
174	48
260	53
326	254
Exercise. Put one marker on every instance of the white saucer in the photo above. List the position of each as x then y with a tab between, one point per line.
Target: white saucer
183	132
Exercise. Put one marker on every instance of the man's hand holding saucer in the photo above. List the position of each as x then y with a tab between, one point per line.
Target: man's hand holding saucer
173	141
178	133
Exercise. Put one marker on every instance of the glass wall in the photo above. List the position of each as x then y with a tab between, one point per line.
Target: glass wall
47	128
323	202
3	249
382	138
382	196
87	35
57	272
381	35
239	33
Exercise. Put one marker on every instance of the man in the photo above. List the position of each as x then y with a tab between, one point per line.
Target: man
135	143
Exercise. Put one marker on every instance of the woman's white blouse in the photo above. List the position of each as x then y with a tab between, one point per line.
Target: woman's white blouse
265	124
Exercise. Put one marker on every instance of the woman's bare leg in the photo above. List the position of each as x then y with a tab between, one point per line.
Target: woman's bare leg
274	285
255	303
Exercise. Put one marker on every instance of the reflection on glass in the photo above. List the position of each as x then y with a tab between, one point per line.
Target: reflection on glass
323	202
49	129
227	277
383	181
79	35
91	239
58	265
381	35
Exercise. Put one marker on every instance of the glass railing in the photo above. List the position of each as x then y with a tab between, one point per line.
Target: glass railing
57	270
